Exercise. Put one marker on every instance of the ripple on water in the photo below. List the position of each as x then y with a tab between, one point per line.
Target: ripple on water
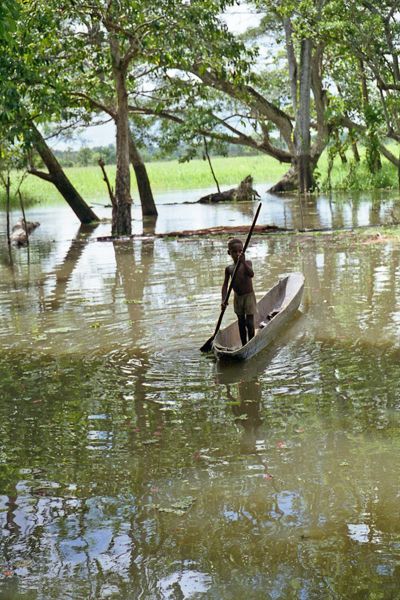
119	415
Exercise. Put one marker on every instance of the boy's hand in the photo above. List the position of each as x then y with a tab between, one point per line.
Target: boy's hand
224	305
242	257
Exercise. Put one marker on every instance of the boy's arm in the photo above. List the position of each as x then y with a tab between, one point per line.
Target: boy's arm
225	287
248	265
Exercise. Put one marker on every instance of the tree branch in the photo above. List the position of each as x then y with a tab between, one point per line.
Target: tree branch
96	103
252	98
241	139
41	174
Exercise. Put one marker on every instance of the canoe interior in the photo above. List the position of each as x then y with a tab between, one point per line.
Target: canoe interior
275	300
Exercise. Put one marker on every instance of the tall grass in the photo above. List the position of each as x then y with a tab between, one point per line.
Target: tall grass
164	176
356	176
172	175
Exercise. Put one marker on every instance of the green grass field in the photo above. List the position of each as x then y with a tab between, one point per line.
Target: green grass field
172	175
164	176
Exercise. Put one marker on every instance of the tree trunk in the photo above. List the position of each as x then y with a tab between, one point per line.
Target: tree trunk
364	86
57	176
304	155
288	182
356	153
302	130
8	186
121	212
243	193
292	63
144	187
306	180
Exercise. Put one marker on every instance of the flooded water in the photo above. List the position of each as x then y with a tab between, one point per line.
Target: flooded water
134	467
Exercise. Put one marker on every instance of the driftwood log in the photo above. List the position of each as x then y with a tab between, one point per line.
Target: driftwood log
188	233
21	231
222	230
244	192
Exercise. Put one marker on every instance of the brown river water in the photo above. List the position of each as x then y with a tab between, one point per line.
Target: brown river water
134	467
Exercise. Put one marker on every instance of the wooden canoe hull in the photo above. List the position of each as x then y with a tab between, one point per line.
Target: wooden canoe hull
284	297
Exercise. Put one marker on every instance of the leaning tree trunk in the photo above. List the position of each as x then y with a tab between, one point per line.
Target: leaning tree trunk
57	177
145	193
302	130
121	211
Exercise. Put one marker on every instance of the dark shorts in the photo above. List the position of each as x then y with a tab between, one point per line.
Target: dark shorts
245	304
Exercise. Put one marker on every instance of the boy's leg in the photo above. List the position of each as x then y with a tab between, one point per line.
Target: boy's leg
250	325
242	329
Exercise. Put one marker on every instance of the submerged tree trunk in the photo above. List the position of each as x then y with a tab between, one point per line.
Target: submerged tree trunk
121	212
144	187
243	193
288	182
8	187
57	177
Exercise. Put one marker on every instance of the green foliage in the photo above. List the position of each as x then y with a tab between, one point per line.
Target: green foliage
86	156
9	11
187	68
358	177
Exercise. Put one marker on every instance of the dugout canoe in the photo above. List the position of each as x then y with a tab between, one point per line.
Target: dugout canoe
275	309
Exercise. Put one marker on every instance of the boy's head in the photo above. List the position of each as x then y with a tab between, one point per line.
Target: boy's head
235	248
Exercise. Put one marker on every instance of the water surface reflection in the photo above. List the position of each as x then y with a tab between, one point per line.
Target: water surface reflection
131	466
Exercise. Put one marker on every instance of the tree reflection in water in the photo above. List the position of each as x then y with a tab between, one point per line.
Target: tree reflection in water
98	435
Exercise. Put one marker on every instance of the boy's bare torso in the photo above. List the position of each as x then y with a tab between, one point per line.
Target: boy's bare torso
242	283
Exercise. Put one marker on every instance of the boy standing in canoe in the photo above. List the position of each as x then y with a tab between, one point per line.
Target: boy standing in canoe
245	304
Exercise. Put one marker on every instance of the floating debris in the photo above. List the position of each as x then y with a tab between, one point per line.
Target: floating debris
178	508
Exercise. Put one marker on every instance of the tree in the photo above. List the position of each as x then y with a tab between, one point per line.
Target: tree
367	35
107	49
218	90
57	177
99	60
299	25
30	94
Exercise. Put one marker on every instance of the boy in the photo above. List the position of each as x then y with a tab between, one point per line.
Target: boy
245	304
